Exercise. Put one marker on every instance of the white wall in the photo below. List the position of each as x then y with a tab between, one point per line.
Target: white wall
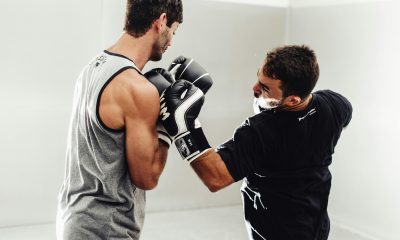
358	49
45	45
270	3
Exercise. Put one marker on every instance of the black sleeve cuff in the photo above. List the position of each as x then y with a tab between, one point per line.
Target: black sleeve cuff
227	158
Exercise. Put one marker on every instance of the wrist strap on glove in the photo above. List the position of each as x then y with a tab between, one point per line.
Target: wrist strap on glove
192	144
163	135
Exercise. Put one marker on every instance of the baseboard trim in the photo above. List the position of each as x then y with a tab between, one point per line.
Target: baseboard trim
353	231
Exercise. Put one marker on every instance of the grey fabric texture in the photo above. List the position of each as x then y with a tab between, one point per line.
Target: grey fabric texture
97	199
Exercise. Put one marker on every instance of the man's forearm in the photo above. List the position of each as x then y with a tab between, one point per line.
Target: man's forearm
212	171
160	159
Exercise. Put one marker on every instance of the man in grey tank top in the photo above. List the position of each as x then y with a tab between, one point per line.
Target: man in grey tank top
114	152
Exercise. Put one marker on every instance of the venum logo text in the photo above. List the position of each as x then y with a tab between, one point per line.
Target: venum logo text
164	114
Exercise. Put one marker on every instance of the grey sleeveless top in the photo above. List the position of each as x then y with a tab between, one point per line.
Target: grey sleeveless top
97	199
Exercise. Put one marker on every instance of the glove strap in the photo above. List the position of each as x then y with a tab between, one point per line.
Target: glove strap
163	135
165	138
192	144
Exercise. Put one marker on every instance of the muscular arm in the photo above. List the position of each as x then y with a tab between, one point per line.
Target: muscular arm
212	171
146	155
235	159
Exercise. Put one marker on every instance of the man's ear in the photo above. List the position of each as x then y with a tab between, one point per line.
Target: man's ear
292	100
160	22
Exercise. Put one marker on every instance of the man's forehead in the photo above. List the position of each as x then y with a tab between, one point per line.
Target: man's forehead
260	72
261	77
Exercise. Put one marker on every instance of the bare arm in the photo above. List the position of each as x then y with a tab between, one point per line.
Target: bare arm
212	171
146	155
235	159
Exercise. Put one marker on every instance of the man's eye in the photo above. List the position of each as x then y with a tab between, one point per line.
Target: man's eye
265	89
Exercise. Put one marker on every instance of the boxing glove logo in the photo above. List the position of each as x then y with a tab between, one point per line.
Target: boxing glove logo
164	114
183	149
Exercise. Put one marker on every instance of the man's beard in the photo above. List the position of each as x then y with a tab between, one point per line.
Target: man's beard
268	103
159	48
156	54
261	104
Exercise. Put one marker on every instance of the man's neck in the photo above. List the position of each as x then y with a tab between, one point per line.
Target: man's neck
299	107
136	49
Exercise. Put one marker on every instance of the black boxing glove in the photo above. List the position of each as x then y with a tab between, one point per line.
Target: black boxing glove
190	70
161	79
180	106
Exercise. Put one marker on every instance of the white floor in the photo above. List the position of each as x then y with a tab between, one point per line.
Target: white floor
224	223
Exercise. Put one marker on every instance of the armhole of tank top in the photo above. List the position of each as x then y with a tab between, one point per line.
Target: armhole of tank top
101	123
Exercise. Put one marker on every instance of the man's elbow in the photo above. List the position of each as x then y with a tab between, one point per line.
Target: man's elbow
217	183
214	189
214	186
147	184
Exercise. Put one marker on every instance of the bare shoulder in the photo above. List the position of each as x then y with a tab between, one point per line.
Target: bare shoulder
137	96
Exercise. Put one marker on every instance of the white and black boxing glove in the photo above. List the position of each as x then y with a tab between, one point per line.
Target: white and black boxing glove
188	69
161	79
180	106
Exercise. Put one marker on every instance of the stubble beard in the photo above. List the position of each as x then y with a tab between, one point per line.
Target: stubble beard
159	48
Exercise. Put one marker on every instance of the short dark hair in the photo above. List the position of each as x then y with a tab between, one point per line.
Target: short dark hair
296	66
140	14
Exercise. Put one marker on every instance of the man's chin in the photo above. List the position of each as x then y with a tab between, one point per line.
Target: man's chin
156	58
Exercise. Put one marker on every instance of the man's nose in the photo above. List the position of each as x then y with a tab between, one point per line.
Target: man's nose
257	90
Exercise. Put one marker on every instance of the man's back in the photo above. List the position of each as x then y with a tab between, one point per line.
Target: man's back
98	199
285	162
